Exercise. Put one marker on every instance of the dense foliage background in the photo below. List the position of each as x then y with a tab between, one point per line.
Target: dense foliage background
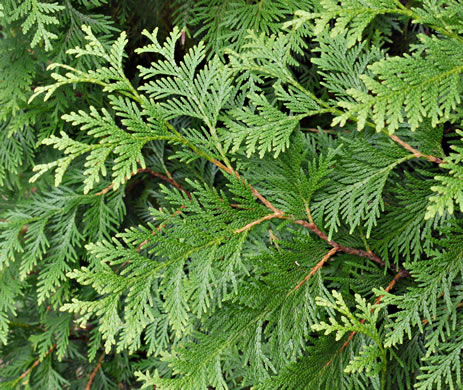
213	194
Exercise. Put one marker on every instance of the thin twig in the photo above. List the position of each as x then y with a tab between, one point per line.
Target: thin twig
310	225
35	364
317	267
258	221
169	179
414	151
266	202
94	372
390	286
152	173
256	193
341	248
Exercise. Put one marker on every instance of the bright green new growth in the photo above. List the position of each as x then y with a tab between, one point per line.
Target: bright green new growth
268	196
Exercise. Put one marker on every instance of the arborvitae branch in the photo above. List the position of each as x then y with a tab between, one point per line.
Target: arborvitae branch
153	173
318	266
416	152
35	364
94	372
389	287
311	226
254	191
339	247
227	282
254	223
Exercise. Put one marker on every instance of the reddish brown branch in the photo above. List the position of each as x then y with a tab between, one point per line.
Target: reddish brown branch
256	193
158	229
395	138
313	227
341	248
224	168
416	152
35	364
168	179
265	201
94	372
390	286
258	221
310	225
317	267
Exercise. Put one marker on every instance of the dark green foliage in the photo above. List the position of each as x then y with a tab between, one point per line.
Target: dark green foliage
211	194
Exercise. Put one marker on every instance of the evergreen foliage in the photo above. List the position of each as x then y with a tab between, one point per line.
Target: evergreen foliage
209	194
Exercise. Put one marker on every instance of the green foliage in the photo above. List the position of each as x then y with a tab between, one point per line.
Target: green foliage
37	15
231	194
355	193
449	193
221	28
412	87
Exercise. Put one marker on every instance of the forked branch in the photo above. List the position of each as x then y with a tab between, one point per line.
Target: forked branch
341	248
309	225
